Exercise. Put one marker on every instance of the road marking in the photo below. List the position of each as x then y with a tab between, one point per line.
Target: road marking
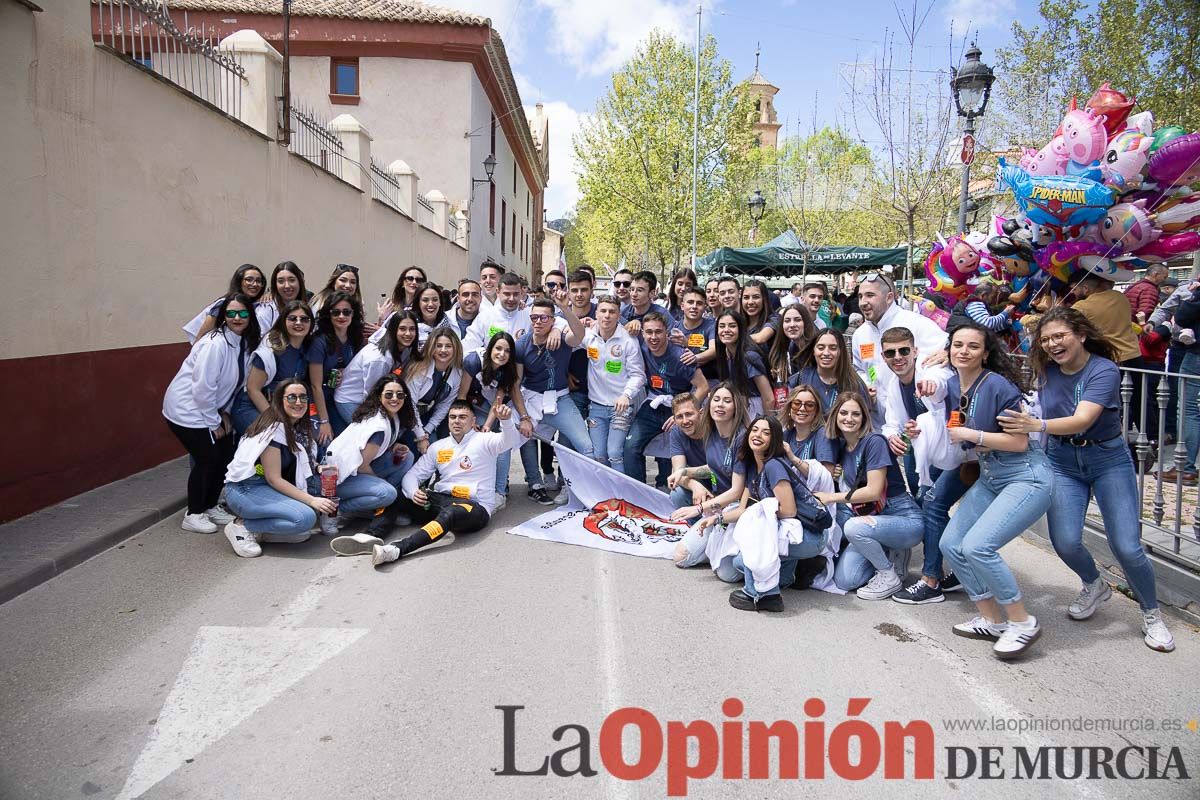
611	649
231	672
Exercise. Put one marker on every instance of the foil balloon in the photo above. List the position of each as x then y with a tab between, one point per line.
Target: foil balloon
1057	200
1125	159
952	263
1176	163
1143	122
1058	259
1050	160
1178	215
1164	135
1084	136
1127	227
1027	156
1107	268
1177	244
1114	105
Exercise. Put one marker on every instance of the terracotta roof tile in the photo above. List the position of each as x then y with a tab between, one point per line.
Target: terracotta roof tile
379	10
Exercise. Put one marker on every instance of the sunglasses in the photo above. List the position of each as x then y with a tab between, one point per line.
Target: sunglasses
347	268
878	277
899	351
622	284
805	405
232	314
299	320
296	398
539	317
413	278
393	395
254	281
341	312
554	286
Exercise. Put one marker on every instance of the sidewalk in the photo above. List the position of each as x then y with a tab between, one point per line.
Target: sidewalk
35	548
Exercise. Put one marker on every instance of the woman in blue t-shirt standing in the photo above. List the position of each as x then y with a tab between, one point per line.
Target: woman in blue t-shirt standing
1081	410
1013	489
880	519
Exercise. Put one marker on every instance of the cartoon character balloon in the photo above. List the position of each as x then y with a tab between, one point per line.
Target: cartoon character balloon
1084	136
952	263
1127	227
1178	214
1057	200
1050	160
1125	159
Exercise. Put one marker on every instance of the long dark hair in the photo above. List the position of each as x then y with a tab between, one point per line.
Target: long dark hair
847	380
388	344
253	335
774	449
674	301
783	355
995	354
331	284
764	311
400	297
293	432
1094	341
506	376
325	321
731	362
285	266
416	303
372	404
279	338
235	283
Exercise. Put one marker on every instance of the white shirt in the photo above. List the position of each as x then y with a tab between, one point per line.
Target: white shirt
368	365
493	319
788	299
467	469
206	382
615	365
868	353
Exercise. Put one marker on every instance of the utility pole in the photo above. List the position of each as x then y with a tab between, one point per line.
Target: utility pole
696	131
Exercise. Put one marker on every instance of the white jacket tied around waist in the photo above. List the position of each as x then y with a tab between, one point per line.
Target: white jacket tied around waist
206	382
466	470
250	450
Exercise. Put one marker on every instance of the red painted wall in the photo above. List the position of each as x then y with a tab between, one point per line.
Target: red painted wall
77	421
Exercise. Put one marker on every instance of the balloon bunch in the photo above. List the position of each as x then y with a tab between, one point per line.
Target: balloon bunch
1108	193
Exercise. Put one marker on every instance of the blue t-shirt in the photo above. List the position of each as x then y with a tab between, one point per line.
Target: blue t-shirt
329	358
721	457
1098	382
545	369
681	444
828	392
777	470
990	395
871	453
666	374
629	315
698	339
769	321
459	324
914	406
289	364
816	446
577	366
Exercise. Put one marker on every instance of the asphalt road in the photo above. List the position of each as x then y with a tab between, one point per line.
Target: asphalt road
170	668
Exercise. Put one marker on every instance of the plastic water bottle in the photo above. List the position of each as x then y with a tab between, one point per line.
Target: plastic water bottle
329	478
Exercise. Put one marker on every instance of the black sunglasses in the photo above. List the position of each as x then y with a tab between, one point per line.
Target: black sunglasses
393	395
341	312
622	284
899	351
347	268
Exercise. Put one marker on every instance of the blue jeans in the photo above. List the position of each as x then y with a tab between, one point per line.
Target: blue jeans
1105	470
361	492
568	422
268	511
899	527
1013	491
345	411
243	413
947	490
1189	394
608	441
694	545
808	547
646	425
581	401
681	497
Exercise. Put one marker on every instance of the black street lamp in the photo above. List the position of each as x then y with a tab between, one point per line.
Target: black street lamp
756	204
971	85
489	167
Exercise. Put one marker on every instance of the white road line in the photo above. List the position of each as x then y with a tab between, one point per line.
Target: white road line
311	596
612	650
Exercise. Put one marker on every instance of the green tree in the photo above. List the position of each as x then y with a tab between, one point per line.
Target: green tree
1145	48
635	157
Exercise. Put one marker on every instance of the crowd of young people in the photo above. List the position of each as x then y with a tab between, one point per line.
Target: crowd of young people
800	459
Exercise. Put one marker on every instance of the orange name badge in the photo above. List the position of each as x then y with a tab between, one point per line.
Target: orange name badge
461	492
593	353
956	420
696	340
444	456
866	351
656	382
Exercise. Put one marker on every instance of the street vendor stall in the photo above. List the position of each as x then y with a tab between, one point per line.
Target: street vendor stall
786	256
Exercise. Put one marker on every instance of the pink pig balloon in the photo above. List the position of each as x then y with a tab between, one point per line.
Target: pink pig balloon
1084	137
1050	160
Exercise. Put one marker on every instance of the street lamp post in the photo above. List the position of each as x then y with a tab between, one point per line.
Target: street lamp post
489	168
756	204
971	85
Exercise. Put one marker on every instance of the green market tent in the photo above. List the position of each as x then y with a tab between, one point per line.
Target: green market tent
787	256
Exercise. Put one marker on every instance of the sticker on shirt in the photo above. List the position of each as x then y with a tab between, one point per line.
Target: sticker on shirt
866	351
493	330
613	367
593	353
615	350
465	464
444	456
461	492
656	382
956	420
696	340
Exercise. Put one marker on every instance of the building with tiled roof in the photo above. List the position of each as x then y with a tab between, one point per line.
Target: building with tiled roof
434	88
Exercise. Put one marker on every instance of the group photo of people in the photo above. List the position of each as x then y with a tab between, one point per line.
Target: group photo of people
856	430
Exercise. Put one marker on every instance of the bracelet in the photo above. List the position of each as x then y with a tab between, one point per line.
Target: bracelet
979	440
1043	426
324	422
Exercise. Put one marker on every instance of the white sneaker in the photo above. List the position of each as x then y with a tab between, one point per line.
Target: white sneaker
219	516
198	523
383	553
327	524
359	544
501	502
1017	638
563	496
1157	636
245	543
882	585
1089	598
980	628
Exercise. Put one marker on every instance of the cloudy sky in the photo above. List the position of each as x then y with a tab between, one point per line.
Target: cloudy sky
563	52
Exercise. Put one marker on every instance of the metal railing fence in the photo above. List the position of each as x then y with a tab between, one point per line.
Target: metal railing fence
313	141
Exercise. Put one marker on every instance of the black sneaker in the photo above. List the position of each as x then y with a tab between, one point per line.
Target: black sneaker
919	594
770	602
950	583
741	601
539	495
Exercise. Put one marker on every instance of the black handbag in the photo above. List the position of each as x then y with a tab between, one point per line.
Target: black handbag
812	515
